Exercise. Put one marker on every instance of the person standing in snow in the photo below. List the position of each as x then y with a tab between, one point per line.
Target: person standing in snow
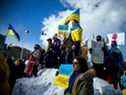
34	61
97	52
116	63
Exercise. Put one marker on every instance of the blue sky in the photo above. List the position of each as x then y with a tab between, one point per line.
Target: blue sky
108	16
27	15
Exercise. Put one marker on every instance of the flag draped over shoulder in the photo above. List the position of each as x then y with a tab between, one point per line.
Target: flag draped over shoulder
76	32
12	33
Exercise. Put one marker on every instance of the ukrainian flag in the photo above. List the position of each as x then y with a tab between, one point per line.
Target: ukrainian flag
74	16
75	29
63	29
76	32
12	33
61	81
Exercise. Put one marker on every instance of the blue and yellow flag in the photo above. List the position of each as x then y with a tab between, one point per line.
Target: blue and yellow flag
11	32
62	30
74	16
61	81
72	24
76	32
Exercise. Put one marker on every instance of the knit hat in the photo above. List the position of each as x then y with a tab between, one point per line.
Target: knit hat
114	37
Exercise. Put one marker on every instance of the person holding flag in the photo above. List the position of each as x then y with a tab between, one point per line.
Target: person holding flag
75	30
72	33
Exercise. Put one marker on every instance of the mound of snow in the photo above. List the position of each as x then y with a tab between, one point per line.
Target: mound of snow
43	85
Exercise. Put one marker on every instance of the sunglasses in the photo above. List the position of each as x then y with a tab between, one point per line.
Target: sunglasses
75	61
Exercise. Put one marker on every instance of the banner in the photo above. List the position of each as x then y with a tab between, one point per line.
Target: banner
120	38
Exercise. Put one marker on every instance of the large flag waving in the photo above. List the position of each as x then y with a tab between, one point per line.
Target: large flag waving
74	16
11	32
74	24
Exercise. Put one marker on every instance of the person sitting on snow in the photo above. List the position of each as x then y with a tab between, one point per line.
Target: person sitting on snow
80	67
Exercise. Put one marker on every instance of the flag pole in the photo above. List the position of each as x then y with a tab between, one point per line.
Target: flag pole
22	48
21	54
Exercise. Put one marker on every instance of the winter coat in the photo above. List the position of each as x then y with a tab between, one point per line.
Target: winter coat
29	67
83	85
4	77
84	52
116	57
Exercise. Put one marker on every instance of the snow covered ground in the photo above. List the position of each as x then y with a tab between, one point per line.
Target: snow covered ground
42	85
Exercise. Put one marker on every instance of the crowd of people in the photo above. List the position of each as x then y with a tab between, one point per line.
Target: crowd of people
107	63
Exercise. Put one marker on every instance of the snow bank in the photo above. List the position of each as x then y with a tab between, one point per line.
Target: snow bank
43	85
35	86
